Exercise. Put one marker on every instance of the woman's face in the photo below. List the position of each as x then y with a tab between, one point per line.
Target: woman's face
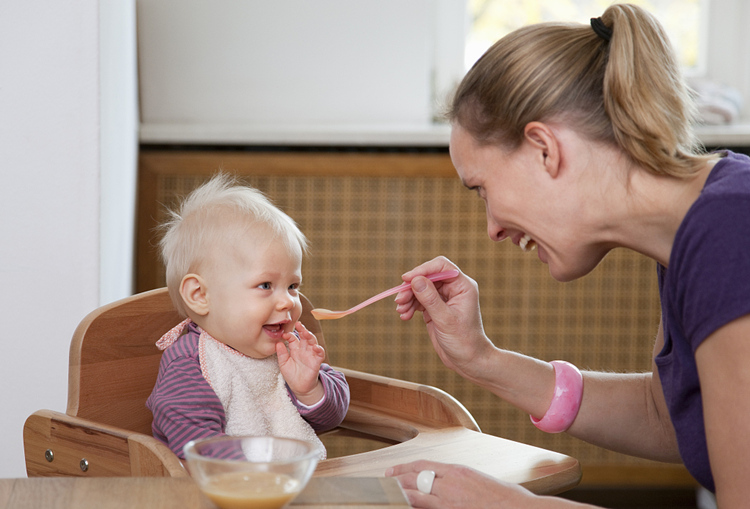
527	203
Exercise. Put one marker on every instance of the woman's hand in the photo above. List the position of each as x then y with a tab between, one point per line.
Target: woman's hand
300	362
450	309
459	487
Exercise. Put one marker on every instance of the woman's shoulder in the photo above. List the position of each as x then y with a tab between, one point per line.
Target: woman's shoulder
730	176
716	230
724	202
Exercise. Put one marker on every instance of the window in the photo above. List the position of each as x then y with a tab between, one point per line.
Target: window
684	21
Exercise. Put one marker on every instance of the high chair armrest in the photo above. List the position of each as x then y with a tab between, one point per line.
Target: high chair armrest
56	444
398	410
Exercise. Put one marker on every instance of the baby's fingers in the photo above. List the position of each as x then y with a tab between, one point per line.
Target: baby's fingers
282	353
306	349
304	334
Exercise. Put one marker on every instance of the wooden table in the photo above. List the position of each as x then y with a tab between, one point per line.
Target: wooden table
183	493
349	482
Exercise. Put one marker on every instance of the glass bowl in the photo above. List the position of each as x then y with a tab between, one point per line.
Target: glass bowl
251	472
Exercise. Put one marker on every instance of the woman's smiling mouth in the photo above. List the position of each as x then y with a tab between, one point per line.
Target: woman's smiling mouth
526	243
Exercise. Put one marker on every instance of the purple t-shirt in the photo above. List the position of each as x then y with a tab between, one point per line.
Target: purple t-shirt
706	286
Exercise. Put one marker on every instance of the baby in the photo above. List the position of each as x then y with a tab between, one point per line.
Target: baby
241	363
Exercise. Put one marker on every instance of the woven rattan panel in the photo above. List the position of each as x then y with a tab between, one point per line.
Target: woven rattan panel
365	231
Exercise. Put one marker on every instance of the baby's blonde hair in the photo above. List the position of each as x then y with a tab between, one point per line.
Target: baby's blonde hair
627	91
211	214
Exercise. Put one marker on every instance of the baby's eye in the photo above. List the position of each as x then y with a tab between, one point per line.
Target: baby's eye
294	287
265	286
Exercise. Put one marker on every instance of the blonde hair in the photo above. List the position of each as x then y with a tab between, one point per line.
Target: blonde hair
211	214
627	91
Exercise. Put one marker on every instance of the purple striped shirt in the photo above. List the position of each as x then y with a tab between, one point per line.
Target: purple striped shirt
185	407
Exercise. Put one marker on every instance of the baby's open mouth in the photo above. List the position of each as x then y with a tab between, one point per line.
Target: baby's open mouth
526	243
274	329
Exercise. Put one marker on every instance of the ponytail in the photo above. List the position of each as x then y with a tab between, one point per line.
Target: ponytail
645	95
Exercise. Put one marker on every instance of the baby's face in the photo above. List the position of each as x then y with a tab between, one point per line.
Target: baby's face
253	294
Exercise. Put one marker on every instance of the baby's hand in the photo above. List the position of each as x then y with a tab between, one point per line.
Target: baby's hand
300	364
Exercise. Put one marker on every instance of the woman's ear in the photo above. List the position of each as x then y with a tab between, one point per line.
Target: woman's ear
193	292
541	137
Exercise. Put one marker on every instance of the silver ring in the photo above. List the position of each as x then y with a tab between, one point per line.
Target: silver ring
425	480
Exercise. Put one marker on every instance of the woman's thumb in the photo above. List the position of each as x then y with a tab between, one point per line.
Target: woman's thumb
425	293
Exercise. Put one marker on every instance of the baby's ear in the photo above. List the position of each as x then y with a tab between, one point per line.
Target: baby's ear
193	292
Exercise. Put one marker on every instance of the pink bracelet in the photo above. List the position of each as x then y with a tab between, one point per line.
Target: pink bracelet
566	401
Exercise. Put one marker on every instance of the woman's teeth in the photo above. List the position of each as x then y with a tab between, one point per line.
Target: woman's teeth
526	244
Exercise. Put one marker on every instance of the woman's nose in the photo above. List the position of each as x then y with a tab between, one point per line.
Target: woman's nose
494	230
496	234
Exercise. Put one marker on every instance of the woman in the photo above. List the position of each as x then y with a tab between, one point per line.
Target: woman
578	139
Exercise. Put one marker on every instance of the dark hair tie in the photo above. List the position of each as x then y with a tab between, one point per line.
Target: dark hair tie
601	29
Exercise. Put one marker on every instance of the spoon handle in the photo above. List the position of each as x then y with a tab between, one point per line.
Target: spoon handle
438	276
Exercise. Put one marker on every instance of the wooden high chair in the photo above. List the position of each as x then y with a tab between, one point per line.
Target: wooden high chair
106	430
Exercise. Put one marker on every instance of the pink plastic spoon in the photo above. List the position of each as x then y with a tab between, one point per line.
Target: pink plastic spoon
327	314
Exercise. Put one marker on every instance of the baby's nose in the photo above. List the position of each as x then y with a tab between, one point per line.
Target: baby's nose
285	301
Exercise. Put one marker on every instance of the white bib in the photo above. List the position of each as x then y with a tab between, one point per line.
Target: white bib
253	393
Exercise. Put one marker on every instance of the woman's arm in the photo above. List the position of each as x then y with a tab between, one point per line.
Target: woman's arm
723	361
623	412
626	412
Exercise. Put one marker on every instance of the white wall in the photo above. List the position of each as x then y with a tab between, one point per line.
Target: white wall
234	71
119	147
297	62
52	173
